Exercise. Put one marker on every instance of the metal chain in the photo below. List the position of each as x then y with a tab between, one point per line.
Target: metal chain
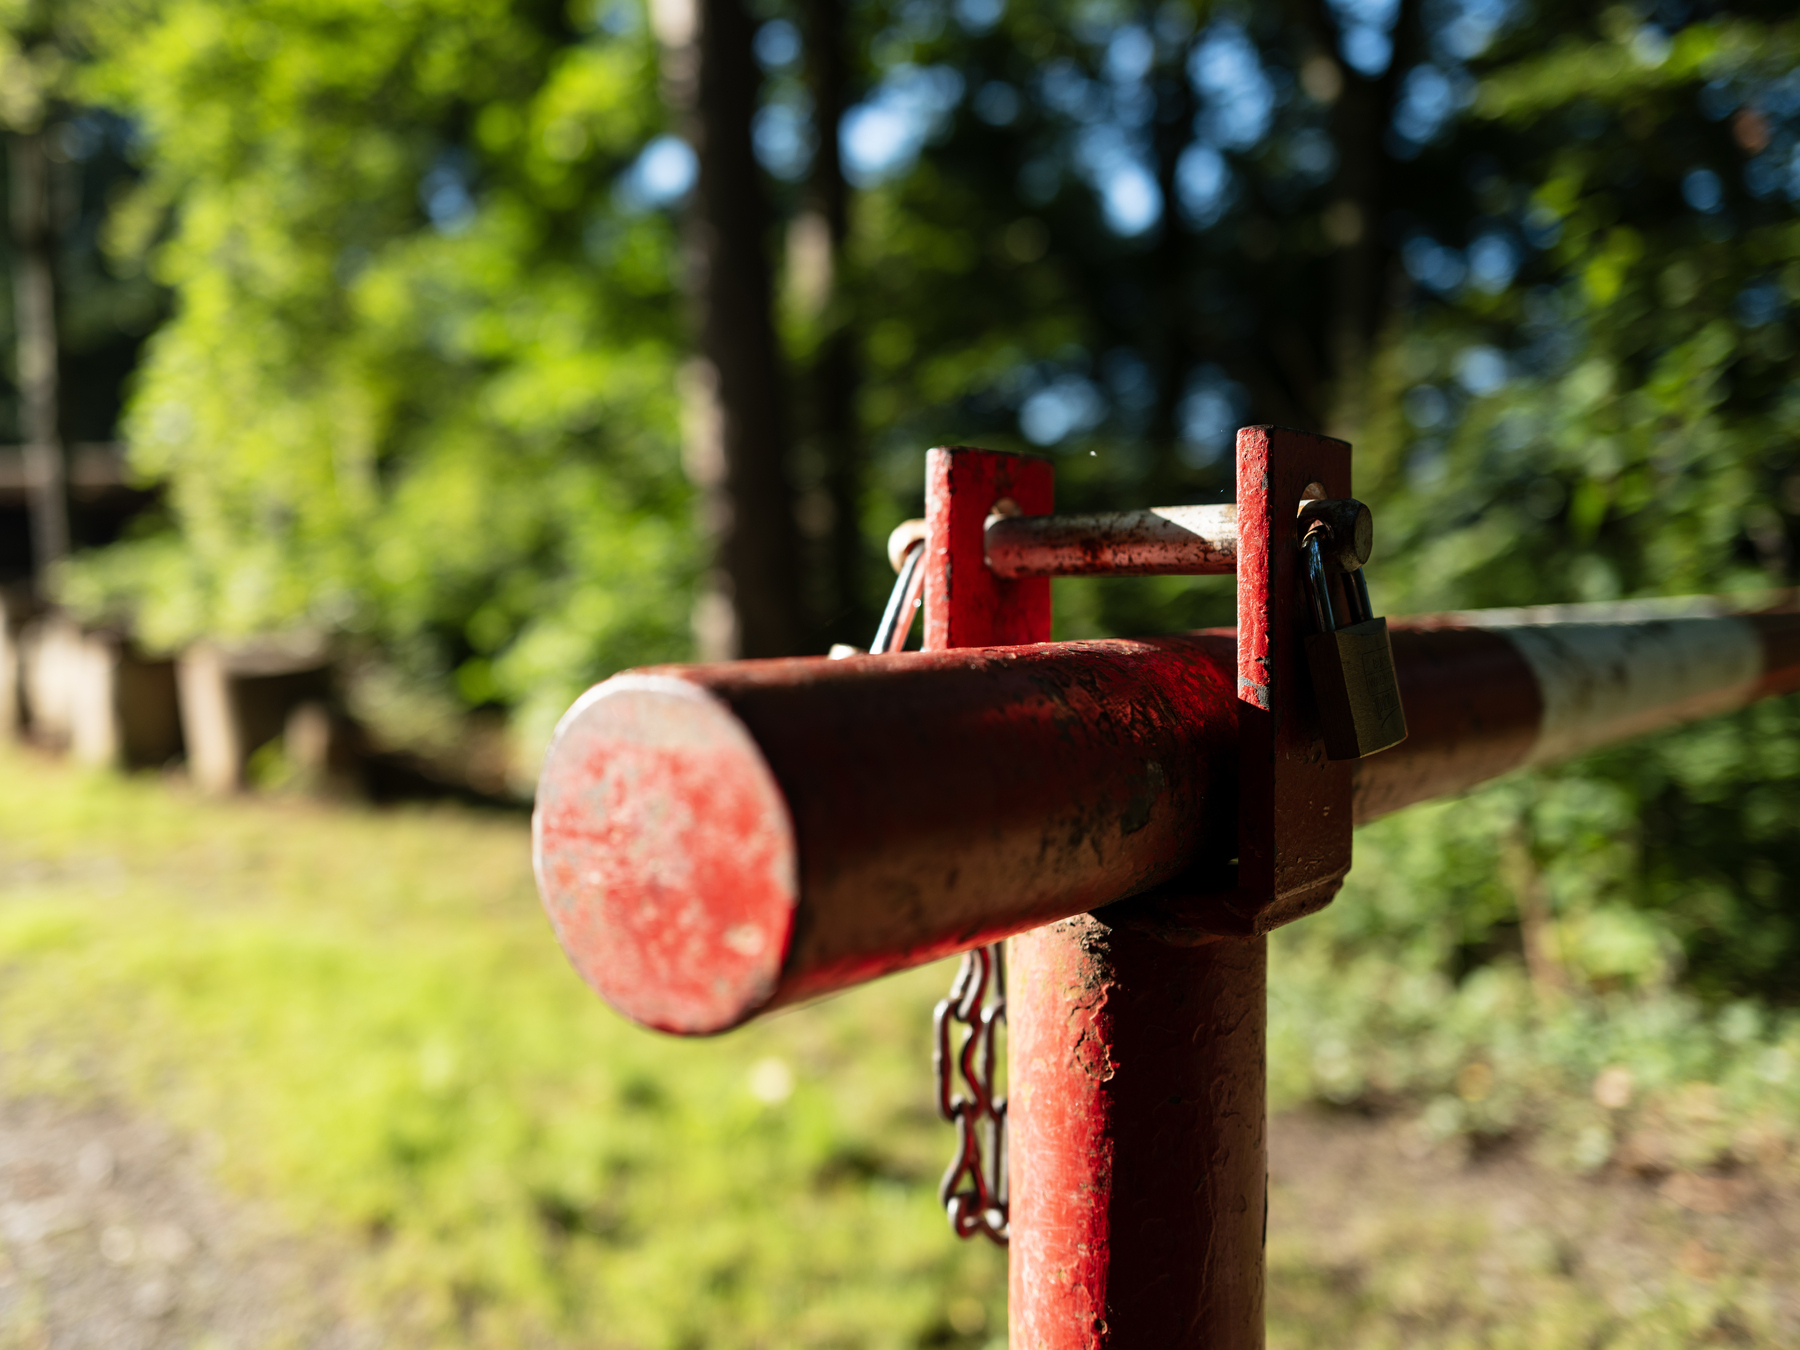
973	1191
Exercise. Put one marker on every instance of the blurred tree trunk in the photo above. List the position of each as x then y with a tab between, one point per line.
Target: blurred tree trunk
834	374
736	447
1362	290
34	305
1171	133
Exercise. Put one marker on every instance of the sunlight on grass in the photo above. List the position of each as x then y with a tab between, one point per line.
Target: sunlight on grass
368	1018
364	1021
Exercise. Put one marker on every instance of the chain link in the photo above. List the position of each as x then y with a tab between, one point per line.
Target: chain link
973	1190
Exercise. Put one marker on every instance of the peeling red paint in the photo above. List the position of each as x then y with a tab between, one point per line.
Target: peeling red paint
966	605
665	856
1294	821
1137	1192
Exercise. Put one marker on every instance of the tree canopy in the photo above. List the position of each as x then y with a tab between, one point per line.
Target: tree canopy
427	363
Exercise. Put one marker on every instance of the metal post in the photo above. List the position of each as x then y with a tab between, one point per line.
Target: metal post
1136	1074
1138	1148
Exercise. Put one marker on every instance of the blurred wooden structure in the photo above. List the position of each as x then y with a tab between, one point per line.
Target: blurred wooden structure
91	692
237	699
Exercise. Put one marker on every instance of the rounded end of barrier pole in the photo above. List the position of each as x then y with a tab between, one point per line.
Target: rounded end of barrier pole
665	854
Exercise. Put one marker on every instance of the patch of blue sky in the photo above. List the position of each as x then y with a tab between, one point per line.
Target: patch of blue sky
1204	184
1119	171
1067	405
1237	95
882	136
661	175
1364	33
1212	409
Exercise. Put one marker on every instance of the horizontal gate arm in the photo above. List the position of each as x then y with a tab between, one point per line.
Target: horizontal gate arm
711	841
1494	690
714	841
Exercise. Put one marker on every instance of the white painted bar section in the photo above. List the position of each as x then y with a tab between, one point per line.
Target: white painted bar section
1608	672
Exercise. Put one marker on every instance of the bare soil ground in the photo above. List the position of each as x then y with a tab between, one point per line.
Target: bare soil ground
112	1236
1376	1238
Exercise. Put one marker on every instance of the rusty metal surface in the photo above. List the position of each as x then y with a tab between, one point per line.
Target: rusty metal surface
1349	531
713	840
1163	541
965	1040
1294	833
966	604
665	854
1139	1154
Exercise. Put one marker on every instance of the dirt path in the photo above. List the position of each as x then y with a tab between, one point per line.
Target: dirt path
1376	1239
111	1236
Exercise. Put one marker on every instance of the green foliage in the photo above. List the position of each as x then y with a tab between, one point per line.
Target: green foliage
1619	420
1412	992
419	381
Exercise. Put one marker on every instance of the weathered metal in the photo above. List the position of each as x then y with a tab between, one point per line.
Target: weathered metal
1349	658
1294	818
1137	1086
974	1189
1491	691
1163	541
1348	530
966	603
715	840
1138	1147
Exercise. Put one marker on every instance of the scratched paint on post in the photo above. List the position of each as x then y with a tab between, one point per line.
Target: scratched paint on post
664	855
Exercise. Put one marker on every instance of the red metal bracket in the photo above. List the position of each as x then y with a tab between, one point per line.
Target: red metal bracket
1294	804
966	605
1294	808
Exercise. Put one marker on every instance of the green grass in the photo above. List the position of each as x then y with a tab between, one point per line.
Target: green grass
365	1017
368	1017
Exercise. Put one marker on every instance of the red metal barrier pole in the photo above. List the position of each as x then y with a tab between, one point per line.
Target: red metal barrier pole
713	842
1138	1101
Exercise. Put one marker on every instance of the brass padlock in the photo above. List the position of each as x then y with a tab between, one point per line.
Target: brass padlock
1352	667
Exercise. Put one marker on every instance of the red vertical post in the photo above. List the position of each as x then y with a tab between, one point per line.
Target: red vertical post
1138	1069
1137	1116
1135	1068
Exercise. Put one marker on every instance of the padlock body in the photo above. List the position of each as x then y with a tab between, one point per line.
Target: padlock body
1358	694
